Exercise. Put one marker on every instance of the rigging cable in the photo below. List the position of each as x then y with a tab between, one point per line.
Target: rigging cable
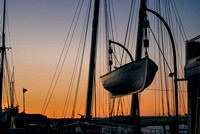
164	65
47	99
159	31
107	28
100	99
10	83
101	103
184	38
181	64
182	101
108	11
128	33
160	50
95	99
82	39
115	24
166	11
9	38
155	53
118	105
107	32
6	92
170	23
112	109
8	77
174	7
82	56
13	87
131	24
112	15
161	80
128	28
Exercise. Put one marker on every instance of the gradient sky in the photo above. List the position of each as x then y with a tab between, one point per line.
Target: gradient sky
38	29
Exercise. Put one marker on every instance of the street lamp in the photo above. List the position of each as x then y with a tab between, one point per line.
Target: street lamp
24	90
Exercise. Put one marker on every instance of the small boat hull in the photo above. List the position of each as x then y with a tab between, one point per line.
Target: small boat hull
131	78
3	117
6	115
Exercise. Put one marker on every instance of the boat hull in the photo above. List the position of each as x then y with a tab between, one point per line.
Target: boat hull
3	117
131	78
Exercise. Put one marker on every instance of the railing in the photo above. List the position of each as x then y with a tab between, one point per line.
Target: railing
159	129
87	128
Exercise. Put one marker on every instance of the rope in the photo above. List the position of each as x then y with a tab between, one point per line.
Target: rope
46	103
8	76
95	99
9	38
182	36
164	66
6	92
128	27
157	89
11	88
118	105
111	112
161	81
109	16
12	80
182	100
83	39
82	57
115	25
116	32
155	77
129	36
101	103
160	50
178	19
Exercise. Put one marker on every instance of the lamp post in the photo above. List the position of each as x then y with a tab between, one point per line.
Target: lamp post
24	90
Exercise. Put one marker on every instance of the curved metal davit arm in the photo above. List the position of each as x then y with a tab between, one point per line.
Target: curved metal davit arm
174	55
110	41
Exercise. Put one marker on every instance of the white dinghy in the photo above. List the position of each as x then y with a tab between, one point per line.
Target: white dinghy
130	78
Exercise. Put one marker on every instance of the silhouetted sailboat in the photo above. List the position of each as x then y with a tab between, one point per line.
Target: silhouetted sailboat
130	78
6	113
133	77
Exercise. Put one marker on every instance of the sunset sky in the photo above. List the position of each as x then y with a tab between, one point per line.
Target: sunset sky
38	29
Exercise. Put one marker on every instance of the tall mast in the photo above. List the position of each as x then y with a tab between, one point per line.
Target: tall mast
92	58
2	55
142	14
